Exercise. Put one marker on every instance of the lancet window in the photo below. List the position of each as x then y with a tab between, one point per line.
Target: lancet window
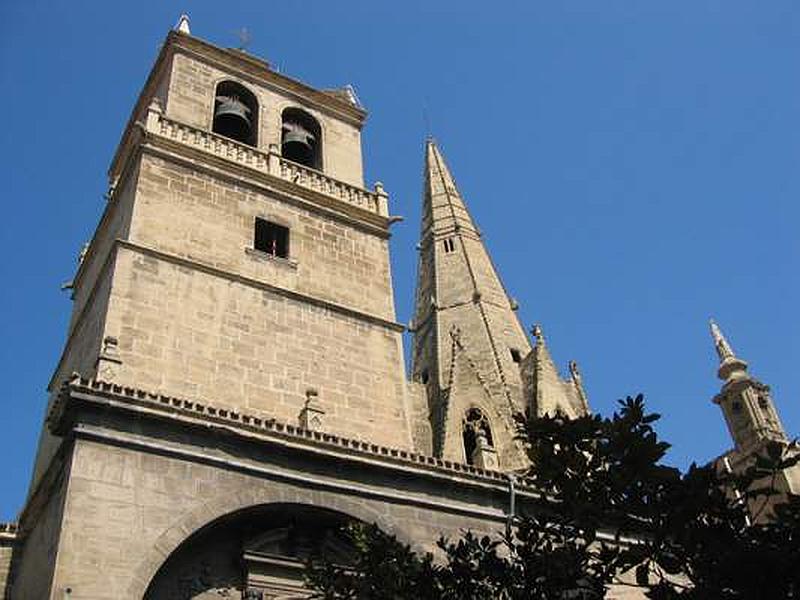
476	433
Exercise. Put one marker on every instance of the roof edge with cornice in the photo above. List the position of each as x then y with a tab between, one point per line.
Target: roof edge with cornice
110	395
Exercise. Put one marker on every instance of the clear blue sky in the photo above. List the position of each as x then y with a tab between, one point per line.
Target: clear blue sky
633	167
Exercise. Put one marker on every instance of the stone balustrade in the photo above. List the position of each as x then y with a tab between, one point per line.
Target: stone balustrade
270	162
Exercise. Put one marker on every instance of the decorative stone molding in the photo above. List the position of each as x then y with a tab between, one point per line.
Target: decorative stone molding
271	162
484	456
311	417
108	361
9	532
79	390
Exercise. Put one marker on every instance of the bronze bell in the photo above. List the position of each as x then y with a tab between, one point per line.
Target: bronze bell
232	119
298	144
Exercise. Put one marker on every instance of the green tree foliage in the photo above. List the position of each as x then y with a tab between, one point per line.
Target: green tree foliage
613	515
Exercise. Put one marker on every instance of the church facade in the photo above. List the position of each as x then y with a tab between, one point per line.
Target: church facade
232	389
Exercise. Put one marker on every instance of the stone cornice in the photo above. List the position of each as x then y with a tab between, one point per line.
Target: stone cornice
736	386
9	533
258	71
238	63
110	396
250	282
211	270
261	182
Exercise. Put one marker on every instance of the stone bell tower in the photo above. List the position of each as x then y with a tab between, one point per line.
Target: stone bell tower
240	270
240	258
746	403
231	392
752	419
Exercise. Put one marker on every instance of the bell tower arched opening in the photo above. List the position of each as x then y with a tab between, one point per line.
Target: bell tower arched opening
301	138
235	113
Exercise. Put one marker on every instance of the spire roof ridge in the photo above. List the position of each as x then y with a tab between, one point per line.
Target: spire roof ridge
723	347
443	201
730	365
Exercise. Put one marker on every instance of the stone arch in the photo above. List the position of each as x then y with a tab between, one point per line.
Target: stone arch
302	137
236	112
475	423
224	504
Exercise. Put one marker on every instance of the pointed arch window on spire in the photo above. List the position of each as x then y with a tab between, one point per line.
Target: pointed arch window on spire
449	245
477	435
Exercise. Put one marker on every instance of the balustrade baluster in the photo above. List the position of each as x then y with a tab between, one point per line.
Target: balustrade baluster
308	178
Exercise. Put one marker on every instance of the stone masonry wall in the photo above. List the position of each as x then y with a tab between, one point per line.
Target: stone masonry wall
35	558
197	314
6	551
80	355
114	224
129	510
191	100
201	336
193	214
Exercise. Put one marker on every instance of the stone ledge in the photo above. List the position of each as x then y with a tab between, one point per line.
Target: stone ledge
348	312
261	256
80	389
334	307
9	532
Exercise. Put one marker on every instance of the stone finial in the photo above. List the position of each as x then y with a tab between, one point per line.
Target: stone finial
574	371
538	334
154	112
112	188
182	25
110	344
352	96
383	199
108	361
84	251
577	381
155	105
311	417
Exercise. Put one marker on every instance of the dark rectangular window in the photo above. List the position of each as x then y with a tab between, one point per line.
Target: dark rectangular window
515	355
271	238
449	245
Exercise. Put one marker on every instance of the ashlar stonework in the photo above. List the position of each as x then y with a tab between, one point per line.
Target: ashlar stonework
227	400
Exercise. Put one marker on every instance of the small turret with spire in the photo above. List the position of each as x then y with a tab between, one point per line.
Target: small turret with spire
746	402
547	392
